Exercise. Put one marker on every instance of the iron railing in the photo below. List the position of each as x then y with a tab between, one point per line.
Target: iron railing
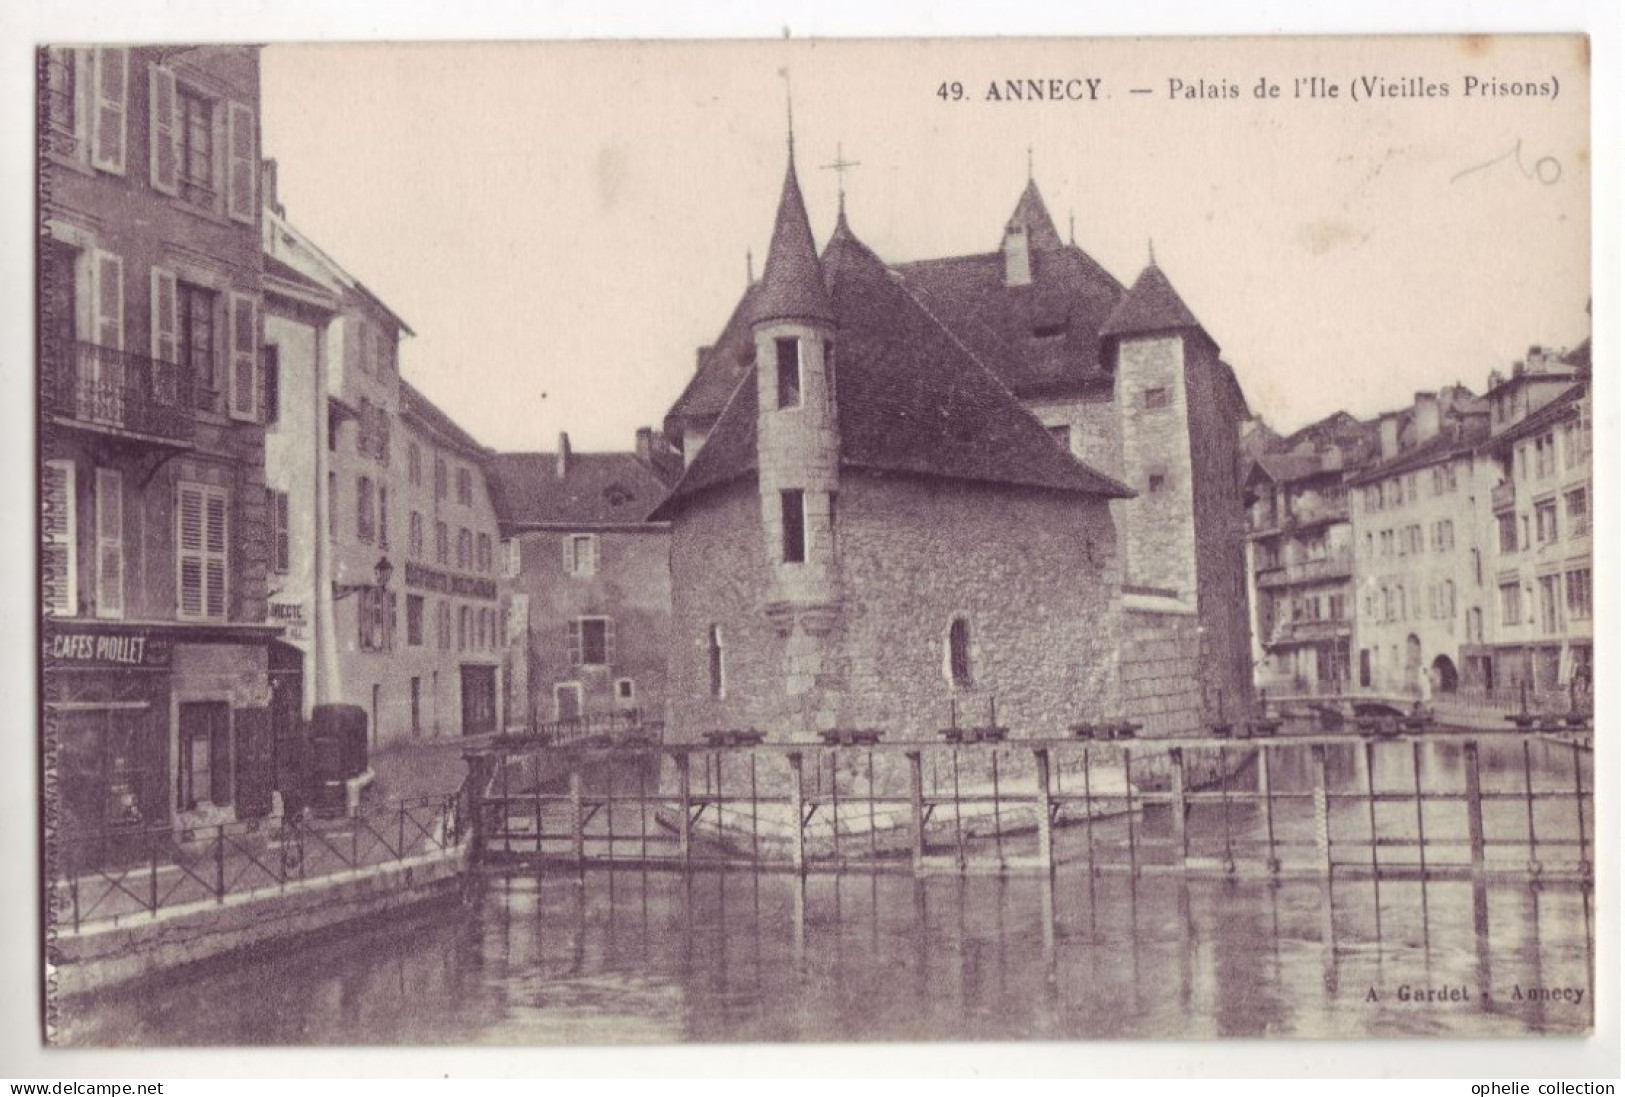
115	875
1391	804
102	387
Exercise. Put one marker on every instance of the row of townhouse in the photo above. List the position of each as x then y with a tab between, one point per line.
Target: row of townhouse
1443	547
246	511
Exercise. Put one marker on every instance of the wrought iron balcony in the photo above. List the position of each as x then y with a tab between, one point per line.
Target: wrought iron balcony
113	391
1335	565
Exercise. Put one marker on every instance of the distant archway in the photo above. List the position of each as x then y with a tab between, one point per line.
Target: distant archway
1444	673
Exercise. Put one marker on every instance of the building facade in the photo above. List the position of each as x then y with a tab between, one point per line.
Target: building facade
1125	381
1420	567
589	582
1539	531
385	553
154	561
875	533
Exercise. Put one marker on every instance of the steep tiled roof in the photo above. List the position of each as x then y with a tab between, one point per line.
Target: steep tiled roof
792	285
1548	414
417	406
1032	215
1287	468
912	398
597	489
721	365
1040	337
1151	305
1459	437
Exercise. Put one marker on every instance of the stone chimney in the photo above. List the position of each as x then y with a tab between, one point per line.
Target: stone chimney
564	455
268	194
1018	263
1426	416
646	437
1388	430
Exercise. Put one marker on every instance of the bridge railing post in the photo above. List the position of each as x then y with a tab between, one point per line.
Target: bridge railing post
1475	805
798	812
1042	807
1323	827
685	815
1177	805
916	810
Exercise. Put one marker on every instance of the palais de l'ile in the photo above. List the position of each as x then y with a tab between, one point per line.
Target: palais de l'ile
1007	487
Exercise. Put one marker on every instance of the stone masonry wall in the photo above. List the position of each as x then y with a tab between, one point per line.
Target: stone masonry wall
1151	401
1162	685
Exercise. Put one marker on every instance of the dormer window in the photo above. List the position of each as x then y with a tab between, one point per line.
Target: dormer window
787	354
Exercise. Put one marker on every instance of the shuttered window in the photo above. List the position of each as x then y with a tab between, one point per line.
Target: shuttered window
109	543
240	167
165	316
164	155
245	356
107	299
201	552
59	519
281	554
592	641
581	554
110	105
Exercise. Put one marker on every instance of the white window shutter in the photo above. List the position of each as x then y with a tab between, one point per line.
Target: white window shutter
165	316
609	641
245	358
569	554
189	550
109	110
573	639
240	161
215	551
164	144
109	543
60	522
107	299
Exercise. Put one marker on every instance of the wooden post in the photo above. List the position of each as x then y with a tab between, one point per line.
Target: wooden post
1323	826
1475	805
1273	862
1177	804
916	806
798	799
1046	833
685	845
578	830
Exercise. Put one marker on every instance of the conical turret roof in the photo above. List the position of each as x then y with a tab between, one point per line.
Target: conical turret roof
1032	215
1150	305
792	286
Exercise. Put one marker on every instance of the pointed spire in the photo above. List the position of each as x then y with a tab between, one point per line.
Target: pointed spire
792	284
1029	163
1151	251
1032	215
1151	304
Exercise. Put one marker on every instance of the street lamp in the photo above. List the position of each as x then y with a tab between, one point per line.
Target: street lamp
382	571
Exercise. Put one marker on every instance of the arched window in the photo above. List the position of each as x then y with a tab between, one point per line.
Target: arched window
714	653
959	668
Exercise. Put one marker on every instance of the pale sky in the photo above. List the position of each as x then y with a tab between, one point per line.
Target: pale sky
573	219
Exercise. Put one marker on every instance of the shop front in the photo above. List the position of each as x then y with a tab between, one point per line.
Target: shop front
155	725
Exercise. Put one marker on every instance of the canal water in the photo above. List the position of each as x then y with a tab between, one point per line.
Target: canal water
635	956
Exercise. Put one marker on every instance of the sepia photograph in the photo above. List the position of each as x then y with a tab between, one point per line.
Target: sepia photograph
818	540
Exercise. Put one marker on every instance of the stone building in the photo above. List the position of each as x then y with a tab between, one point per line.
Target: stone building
384	534
1119	568
1301	554
155	528
589	583
1539	530
1421	571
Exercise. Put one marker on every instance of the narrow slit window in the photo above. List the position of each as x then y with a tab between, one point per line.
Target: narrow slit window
714	653
959	651
795	526
788	354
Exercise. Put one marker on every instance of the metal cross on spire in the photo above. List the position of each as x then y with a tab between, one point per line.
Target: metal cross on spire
1151	250
840	166
1029	163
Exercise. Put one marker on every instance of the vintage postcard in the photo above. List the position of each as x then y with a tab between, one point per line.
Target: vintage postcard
806	541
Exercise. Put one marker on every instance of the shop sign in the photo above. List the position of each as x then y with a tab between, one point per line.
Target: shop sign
445	583
291	616
103	648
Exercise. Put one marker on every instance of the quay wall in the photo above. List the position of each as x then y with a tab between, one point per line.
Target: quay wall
105	954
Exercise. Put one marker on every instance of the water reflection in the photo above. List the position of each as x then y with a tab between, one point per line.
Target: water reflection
634	957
